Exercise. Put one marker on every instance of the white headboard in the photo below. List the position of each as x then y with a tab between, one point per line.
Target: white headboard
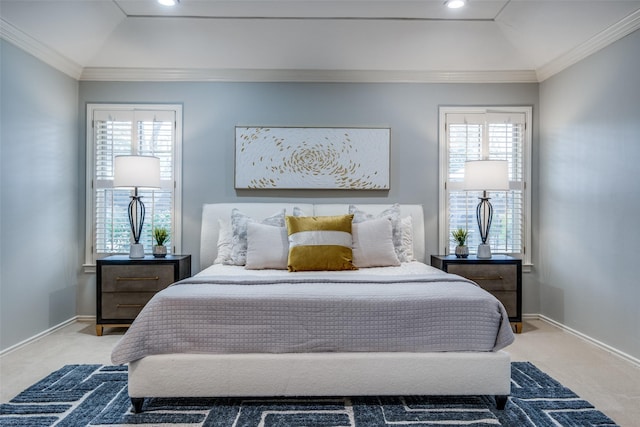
212	212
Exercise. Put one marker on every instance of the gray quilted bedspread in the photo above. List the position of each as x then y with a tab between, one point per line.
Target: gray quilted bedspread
414	311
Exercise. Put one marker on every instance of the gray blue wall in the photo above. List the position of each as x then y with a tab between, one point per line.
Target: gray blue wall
212	110
40	243
589	196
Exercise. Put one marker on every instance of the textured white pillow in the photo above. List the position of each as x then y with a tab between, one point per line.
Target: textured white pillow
298	212
224	243
239	223
267	247
407	238
393	213
373	244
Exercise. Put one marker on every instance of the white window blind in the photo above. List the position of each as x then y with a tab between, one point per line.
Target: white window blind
124	131
478	135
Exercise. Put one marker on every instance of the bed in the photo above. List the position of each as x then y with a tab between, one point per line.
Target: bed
257	329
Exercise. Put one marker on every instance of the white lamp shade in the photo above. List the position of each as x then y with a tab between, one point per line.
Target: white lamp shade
136	171
486	175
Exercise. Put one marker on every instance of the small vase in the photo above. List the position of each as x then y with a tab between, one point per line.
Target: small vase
159	251
462	251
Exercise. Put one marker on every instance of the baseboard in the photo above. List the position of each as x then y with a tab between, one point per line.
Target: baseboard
627	357
86	319
42	334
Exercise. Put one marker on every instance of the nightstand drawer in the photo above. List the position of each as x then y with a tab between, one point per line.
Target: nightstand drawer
492	277
124	305
136	278
500	275
510	301
125	285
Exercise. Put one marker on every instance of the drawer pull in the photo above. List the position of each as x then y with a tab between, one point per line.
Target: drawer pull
486	278
130	305
135	279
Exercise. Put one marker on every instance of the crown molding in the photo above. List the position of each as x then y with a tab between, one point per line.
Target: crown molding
41	51
310	76
615	32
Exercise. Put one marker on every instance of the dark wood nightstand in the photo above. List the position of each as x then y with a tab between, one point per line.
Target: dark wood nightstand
501	275
125	285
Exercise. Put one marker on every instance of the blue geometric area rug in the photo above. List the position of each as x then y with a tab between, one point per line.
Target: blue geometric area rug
96	395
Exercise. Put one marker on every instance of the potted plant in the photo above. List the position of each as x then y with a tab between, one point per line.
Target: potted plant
160	234
460	236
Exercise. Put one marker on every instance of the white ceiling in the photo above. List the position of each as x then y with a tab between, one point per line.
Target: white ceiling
315	40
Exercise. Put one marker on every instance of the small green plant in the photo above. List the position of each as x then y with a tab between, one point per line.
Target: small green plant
460	236
160	234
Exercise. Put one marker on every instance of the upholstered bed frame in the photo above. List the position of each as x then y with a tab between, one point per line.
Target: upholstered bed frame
316	374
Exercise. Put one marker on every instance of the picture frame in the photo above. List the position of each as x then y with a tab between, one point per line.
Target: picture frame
312	158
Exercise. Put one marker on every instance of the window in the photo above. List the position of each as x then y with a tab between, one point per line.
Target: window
494	134
146	130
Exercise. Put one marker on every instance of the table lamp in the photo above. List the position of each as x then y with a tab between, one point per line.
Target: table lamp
136	172
485	175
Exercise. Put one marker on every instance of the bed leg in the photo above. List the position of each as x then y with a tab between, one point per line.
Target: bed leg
137	403
501	401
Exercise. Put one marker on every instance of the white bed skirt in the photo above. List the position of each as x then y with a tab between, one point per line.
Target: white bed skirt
320	374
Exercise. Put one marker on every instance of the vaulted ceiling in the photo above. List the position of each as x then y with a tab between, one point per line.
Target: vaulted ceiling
315	40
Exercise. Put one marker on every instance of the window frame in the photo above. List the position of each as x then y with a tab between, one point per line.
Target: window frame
443	195
90	213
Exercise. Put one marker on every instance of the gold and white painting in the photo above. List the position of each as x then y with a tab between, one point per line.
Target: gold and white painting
312	158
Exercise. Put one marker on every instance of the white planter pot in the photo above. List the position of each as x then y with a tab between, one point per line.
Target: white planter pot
159	251
462	251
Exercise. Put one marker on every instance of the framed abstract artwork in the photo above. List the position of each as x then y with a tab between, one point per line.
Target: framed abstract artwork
312	158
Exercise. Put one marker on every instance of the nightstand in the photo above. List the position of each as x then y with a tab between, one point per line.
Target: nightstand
125	285
501	275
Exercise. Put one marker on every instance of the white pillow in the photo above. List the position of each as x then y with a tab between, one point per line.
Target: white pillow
267	247
407	238
239	223
298	212
224	243
393	213
373	244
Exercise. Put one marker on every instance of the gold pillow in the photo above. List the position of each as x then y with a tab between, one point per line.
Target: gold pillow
320	243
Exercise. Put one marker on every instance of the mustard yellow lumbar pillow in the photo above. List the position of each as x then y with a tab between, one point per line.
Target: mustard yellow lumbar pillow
320	243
